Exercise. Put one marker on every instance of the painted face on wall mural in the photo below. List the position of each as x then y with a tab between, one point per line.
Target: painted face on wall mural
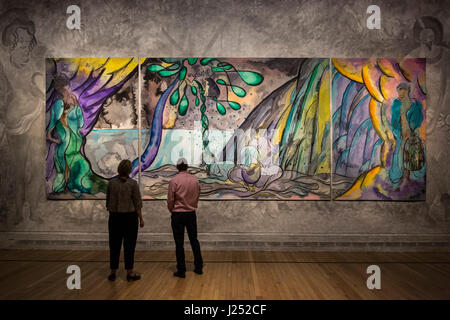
20	53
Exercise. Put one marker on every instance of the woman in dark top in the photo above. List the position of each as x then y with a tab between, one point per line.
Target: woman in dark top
124	203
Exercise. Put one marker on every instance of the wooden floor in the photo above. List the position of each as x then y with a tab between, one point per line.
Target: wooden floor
227	275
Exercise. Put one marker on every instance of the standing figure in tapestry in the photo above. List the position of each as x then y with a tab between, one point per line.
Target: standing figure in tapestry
66	120
407	118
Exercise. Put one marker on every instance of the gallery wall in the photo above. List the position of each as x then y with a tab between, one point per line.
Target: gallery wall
235	29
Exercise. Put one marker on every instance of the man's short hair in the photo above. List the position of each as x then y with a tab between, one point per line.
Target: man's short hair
182	164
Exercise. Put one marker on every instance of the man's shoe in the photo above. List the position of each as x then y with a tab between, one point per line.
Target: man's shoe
198	271
133	277
179	274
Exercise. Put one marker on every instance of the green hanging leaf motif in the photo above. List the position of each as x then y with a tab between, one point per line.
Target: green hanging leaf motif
194	90
225	65
192	61
167	73
199	85
155	67
174	66
182	73
238	91
183	107
205	61
174	97
220	81
217	69
197	102
221	108
234	105
251	78
205	121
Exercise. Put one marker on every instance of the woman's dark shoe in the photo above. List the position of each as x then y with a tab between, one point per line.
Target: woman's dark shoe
112	277
133	277
179	274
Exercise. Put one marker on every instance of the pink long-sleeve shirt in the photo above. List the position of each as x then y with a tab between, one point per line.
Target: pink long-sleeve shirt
183	194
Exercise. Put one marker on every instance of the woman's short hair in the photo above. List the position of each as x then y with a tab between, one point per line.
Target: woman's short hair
124	168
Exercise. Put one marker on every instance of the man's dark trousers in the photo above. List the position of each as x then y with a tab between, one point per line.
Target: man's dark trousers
180	220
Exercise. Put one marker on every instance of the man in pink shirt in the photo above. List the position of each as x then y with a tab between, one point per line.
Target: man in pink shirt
182	199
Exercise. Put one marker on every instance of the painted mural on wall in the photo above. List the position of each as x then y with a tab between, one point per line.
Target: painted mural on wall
20	114
250	128
91	123
378	116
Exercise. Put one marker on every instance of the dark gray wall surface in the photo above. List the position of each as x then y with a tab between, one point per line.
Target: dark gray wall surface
253	28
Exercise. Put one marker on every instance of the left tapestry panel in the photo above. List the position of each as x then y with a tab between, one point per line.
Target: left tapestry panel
91	123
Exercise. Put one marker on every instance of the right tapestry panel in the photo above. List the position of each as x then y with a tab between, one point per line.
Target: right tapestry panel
378	129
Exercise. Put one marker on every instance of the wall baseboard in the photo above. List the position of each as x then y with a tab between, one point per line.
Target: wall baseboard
235	241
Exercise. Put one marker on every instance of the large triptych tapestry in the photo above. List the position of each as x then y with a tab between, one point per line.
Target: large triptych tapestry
250	128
